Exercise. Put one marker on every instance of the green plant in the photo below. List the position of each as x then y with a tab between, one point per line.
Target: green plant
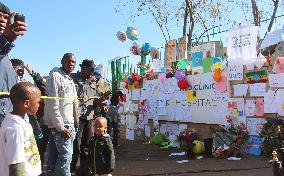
273	133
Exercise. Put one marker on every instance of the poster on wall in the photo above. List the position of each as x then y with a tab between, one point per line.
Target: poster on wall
250	107
208	49
276	80
255	125
182	47
241	43
240	90
256	77
171	51
235	70
270	103
257	89
236	109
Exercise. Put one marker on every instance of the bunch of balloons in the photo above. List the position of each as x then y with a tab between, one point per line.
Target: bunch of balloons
133	80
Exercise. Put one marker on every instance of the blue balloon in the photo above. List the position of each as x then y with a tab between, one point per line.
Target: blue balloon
131	33
130	80
217	59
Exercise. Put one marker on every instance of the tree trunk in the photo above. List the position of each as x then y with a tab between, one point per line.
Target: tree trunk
275	3
185	19
255	12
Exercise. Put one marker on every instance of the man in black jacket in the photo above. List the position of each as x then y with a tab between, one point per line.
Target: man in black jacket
101	153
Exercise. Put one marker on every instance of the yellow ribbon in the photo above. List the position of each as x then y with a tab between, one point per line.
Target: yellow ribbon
47	97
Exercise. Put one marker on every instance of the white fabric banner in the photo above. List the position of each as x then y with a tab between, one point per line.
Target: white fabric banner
241	43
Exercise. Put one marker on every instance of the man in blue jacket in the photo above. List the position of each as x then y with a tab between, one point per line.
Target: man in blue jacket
8	34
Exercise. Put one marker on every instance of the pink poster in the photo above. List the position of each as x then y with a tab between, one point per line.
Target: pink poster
259	107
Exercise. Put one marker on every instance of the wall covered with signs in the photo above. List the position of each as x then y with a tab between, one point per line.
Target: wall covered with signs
250	90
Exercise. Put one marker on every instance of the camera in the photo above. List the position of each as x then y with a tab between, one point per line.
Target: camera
19	17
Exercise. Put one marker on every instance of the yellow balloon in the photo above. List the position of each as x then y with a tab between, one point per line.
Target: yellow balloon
218	65
131	87
198	147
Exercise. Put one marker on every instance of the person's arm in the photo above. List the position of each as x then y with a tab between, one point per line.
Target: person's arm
5	46
111	154
17	169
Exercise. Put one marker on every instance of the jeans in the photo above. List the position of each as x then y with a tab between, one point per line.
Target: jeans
52	152
65	150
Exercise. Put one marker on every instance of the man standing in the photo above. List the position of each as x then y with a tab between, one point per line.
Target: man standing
8	34
86	86
60	113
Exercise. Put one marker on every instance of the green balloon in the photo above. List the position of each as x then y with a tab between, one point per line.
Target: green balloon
182	64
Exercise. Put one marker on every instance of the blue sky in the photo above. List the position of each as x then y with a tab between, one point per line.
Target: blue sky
87	28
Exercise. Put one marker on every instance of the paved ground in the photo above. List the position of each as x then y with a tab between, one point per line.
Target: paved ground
134	158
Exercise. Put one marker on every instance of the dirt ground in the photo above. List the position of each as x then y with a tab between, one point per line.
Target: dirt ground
135	158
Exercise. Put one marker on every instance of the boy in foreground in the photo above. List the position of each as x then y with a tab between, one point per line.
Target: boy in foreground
19	153
101	154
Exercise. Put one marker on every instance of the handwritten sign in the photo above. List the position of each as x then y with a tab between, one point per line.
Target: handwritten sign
240	90
270	102
255	125
249	107
257	89
276	80
241	42
235	71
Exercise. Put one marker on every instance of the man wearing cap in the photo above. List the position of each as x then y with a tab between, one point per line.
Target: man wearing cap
86	86
8	34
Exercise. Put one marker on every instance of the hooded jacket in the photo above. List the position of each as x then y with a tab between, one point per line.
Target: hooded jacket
59	111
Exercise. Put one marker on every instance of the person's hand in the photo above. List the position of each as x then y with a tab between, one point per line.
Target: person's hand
28	68
93	79
66	133
12	31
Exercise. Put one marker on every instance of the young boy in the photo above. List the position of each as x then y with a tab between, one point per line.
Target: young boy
101	154
19	153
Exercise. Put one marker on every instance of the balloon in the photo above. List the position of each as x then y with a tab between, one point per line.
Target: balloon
121	36
126	80
132	33
162	77
218	65
217	59
134	49
136	83
130	80
198	147
146	49
179	75
131	87
183	84
136	77
163	70
182	64
154	53
217	75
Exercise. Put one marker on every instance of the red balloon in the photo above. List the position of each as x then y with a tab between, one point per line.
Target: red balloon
183	84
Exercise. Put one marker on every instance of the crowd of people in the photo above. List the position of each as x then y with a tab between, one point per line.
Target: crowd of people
65	117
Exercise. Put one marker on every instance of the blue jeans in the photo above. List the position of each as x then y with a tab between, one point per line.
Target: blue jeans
65	150
52	152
